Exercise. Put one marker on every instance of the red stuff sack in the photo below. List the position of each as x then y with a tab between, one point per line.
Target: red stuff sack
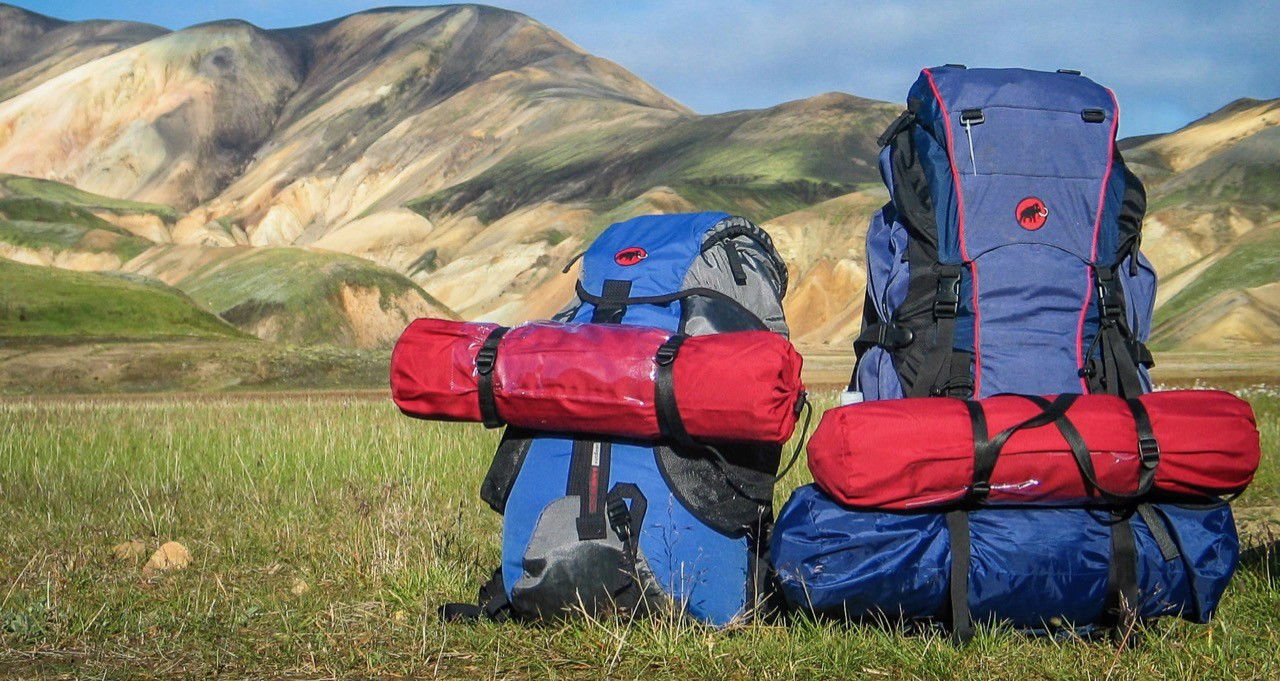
623	381
917	452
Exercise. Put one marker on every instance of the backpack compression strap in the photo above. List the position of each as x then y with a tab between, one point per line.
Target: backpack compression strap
1115	371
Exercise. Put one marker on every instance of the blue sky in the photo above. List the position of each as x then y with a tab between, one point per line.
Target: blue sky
1169	63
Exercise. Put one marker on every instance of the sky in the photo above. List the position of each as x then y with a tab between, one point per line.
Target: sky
1168	63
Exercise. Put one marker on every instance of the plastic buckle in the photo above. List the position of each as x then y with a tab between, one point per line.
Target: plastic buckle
485	359
1149	451
620	518
894	336
667	351
980	490
947	302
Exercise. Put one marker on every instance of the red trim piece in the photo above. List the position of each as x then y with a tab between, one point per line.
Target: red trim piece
1097	227
964	249
593	489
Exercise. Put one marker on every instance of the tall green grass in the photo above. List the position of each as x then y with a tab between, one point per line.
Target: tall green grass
378	516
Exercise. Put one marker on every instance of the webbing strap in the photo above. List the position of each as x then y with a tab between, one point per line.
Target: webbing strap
1119	366
987	451
670	425
612	304
486	359
935	370
1150	457
1122	574
958	585
492	603
589	480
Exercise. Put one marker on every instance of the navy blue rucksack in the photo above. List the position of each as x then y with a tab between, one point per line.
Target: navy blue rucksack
1007	257
604	525
1006	261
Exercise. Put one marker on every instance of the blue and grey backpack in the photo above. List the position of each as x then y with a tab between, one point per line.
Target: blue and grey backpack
1007	257
1006	261
674	527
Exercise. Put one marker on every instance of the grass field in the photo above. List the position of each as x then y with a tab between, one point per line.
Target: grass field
325	532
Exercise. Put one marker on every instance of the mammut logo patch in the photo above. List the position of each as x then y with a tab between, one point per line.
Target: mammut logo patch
1031	213
630	255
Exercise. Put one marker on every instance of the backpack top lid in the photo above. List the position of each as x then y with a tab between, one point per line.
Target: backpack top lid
1009	139
964	88
692	272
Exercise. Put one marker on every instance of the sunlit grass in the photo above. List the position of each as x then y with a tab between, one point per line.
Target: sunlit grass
326	532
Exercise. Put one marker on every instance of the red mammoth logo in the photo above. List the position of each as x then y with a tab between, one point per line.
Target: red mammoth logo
1031	213
630	256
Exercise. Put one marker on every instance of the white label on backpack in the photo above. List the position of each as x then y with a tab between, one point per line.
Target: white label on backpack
849	397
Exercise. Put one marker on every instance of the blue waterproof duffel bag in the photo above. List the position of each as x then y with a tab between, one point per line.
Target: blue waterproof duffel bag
1042	569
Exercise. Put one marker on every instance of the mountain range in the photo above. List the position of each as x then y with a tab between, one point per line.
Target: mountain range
327	183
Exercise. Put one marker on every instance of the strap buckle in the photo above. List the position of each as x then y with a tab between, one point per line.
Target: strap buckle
980	489
894	336
667	351
620	517
485	359
947	301
1110	300
1149	451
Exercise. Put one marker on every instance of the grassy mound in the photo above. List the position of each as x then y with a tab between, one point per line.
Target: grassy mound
296	295
44	302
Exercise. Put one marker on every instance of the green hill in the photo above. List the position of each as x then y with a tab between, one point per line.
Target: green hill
50	303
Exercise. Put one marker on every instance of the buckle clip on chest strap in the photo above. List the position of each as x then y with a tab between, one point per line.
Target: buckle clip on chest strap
486	360
947	301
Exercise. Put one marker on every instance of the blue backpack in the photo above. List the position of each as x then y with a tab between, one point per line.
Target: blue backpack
604	525
1006	259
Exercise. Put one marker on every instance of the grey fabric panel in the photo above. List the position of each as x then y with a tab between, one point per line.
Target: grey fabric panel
563	573
762	294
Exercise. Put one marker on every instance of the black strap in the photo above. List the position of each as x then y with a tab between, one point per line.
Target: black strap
899	124
612	304
668	298
1080	449
492	603
958	586
1116	371
984	455
670	424
1122	575
486	359
735	263
935	369
589	481
1148	447
1157	523
987	450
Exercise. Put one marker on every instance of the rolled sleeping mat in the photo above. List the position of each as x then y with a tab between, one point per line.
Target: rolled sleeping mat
606	379
1041	569
1011	449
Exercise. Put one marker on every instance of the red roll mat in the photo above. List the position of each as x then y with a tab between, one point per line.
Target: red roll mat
918	452
600	379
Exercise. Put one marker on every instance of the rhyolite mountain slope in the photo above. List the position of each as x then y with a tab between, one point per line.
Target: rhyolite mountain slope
321	183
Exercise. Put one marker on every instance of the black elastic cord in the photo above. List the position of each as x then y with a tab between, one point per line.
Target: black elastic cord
592	298
958	587
486	360
807	406
670	425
